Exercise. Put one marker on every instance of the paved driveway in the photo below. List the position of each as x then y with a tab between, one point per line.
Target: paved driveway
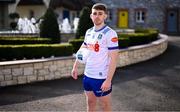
151	85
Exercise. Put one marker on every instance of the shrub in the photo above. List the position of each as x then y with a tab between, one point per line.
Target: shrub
76	43
85	22
123	42
13	15
49	27
9	52
148	30
23	40
13	25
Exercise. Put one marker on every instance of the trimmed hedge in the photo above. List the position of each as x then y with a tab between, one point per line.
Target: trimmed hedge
23	40
76	43
125	40
9	52
148	30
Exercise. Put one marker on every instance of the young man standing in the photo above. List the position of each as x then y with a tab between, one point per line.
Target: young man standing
100	66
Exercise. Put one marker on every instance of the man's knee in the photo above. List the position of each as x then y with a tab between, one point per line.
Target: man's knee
91	101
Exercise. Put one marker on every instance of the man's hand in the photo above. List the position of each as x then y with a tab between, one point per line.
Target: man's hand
74	73
106	85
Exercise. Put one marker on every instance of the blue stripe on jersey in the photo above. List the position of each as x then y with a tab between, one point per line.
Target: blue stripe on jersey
112	48
106	30
101	28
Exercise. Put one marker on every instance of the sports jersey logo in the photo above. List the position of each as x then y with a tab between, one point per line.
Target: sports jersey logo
94	47
114	39
100	36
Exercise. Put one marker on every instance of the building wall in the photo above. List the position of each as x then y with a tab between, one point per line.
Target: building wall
4	16
24	11
72	14
155	15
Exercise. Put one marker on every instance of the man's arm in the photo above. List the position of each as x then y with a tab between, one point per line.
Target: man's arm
74	72
113	55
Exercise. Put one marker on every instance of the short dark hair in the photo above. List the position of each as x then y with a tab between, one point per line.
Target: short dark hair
100	6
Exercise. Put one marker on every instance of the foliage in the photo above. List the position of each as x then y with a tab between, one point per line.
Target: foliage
125	40
9	52
85	22
76	43
49	27
13	15
13	25
23	40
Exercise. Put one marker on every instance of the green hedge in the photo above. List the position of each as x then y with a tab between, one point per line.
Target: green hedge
76	43
23	40
125	40
148	30
9	52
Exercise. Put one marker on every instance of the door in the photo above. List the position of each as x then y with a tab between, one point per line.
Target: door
65	14
172	23
123	19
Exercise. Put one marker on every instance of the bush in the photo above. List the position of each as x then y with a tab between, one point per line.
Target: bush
123	42
9	52
49	27
13	15
23	40
13	25
85	22
148	30
76	43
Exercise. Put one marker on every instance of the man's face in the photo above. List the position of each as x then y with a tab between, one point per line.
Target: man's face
98	16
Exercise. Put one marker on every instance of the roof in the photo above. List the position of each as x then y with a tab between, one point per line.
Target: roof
71	4
31	2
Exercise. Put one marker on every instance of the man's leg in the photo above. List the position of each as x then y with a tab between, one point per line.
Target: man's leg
105	102
91	101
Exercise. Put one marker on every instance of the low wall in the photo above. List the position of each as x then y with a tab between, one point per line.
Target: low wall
27	71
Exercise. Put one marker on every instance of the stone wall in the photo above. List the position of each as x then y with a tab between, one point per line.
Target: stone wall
28	71
156	12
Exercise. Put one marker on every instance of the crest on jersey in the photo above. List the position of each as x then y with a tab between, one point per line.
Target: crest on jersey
100	36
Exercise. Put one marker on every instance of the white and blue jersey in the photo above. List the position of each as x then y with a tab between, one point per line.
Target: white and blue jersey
100	42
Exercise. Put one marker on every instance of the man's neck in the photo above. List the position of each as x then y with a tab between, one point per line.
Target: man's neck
98	27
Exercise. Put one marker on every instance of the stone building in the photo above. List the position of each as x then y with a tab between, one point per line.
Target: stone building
161	14
36	8
4	12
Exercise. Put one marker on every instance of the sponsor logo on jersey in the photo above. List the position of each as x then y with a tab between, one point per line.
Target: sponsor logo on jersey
114	39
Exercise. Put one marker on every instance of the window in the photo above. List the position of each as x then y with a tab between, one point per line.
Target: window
110	14
140	16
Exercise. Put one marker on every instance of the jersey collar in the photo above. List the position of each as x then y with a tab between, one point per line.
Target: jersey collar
100	28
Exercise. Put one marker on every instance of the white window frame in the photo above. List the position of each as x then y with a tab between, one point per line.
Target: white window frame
139	16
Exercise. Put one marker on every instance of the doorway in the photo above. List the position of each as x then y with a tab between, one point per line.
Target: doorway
172	21
123	19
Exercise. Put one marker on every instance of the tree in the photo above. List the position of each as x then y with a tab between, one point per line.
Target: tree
49	27
85	22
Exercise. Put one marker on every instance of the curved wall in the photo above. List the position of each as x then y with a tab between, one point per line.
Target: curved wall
27	71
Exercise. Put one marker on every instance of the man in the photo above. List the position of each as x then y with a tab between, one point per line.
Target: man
102	42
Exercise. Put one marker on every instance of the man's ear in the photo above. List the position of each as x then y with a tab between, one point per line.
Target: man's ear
105	16
91	16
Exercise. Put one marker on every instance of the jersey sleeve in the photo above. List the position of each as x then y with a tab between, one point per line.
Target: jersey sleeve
112	41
